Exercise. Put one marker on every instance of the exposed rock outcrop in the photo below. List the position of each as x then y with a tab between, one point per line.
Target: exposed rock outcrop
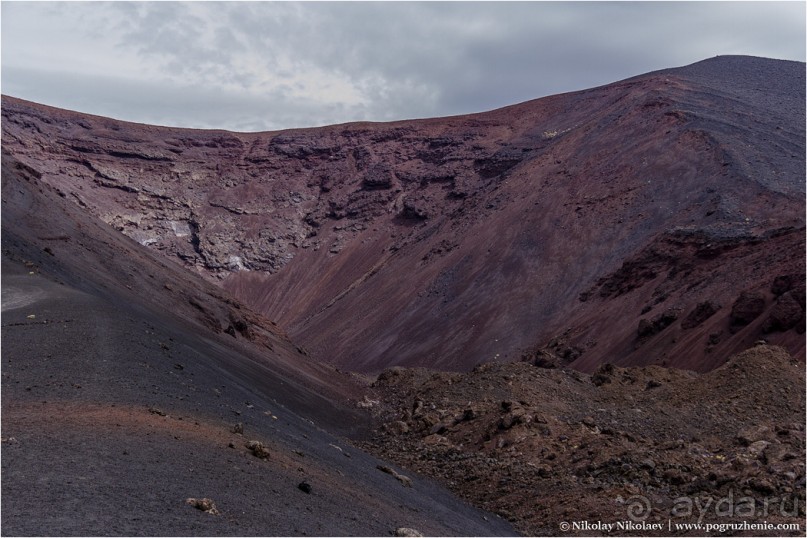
473	235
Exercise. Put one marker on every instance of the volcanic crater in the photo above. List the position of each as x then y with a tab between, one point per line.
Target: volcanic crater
562	267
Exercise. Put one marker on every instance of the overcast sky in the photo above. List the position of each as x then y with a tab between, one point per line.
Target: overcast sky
251	66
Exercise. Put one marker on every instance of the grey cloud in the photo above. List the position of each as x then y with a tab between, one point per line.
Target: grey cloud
387	60
165	103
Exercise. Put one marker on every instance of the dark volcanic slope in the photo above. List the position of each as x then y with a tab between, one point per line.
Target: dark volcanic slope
655	220
121	387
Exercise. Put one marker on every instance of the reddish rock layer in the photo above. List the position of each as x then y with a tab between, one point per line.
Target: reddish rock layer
586	227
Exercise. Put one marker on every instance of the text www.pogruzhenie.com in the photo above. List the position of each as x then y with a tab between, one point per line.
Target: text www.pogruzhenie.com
671	526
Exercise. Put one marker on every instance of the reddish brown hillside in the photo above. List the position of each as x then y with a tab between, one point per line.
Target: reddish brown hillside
654	220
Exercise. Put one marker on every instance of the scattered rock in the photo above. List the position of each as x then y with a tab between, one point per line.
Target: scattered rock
405	480
603	374
438	428
762	485
645	328
517	416
205	505
659	323
647	463
582	442
414	210
785	314
785	283
747	307
701	313
543	471
238	428
435	439
675	476
305	487
757	448
378	176
367	403
390	373
258	449
752	435
570	353
543	358
406	531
